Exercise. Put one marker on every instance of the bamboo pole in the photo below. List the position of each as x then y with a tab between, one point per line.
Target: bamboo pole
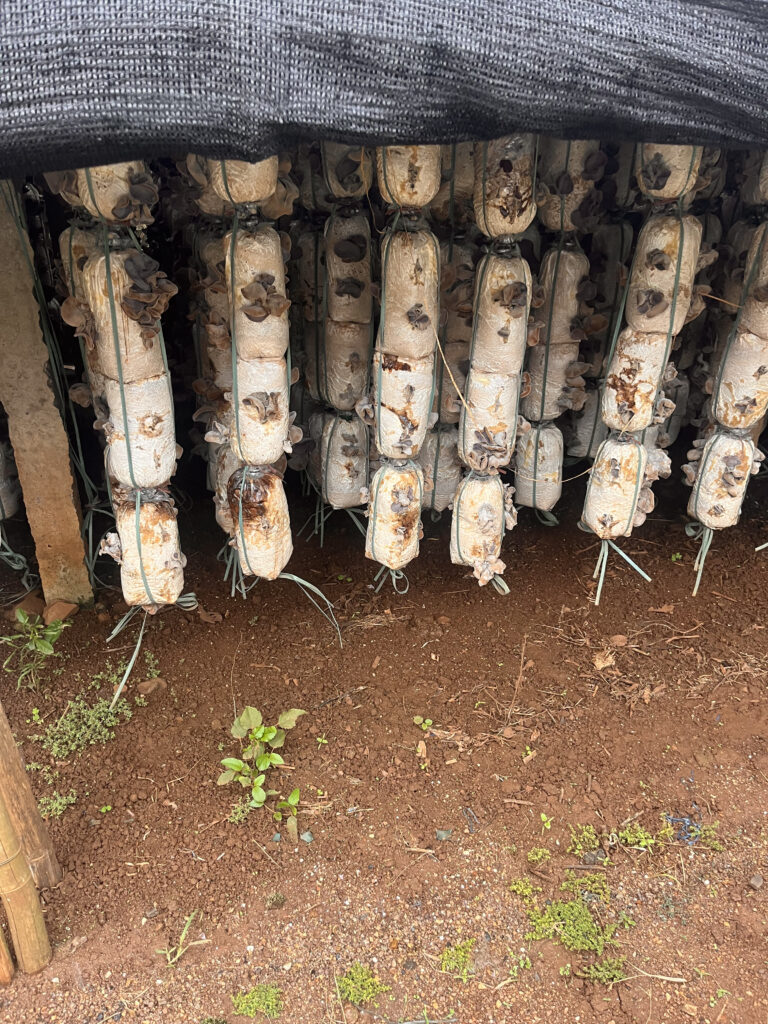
16	790
20	899
6	963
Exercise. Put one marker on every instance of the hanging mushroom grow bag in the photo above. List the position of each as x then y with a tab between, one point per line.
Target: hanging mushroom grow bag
344	462
147	547
394	514
488	423
439	460
262	526
482	509
663	271
634	379
243	183
408	176
410	304
539	467
720	471
504	198
613	491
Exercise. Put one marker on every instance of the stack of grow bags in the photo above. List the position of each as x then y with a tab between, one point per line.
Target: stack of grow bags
403	373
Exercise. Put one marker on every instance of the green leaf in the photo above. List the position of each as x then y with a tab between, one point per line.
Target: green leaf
293	798
258	796
43	646
249	752
278	740
224	778
21	616
234	764
275	759
263	762
237	730
269	732
244	780
277	816
250	718
258	781
288	719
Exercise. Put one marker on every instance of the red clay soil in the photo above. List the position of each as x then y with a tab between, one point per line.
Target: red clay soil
547	712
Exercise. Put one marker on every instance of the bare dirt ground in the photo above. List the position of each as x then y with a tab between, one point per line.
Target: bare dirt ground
547	712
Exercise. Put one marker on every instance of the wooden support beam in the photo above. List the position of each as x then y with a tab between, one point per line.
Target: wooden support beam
17	793
37	431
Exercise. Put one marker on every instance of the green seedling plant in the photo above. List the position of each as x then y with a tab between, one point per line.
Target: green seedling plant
288	807
321	741
31	647
54	806
425	724
519	963
677	557
546	823
538	855
259	754
360	986
636	837
457	960
173	954
584	839
264	999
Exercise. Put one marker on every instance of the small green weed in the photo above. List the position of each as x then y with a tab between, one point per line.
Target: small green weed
677	557
637	837
565	971
707	836
586	885
259	745
546	823
605	972
584	839
457	960
360	986
274	901
572	924
523	888
264	999
153	665
423	723
55	805
321	741
239	813
173	954
140	700
83	724
519	963
213	1020
538	855
31	647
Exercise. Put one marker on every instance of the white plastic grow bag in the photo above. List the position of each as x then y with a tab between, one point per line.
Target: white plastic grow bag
348	169
242	183
262	526
402	398
439	460
394	514
539	467
408	176
118	193
661	284
348	268
452	368
76	246
147	547
344	363
720	470
585	430
563	270
666	172
567	171
634	378
132	350
482	509
260	428
613	491
740	391
454	197
488	422
503	194
754	316
225	463
457	288
255	276
140	434
556	381
410	305
501	309
344	462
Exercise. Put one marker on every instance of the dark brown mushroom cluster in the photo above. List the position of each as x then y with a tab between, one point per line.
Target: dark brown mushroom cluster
263	299
149	294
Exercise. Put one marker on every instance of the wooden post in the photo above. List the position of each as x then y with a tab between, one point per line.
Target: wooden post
37	431
16	791
7	969
21	902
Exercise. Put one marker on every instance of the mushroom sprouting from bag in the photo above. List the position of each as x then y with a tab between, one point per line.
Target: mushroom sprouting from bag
408	176
503	192
262	527
394	514
482	512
